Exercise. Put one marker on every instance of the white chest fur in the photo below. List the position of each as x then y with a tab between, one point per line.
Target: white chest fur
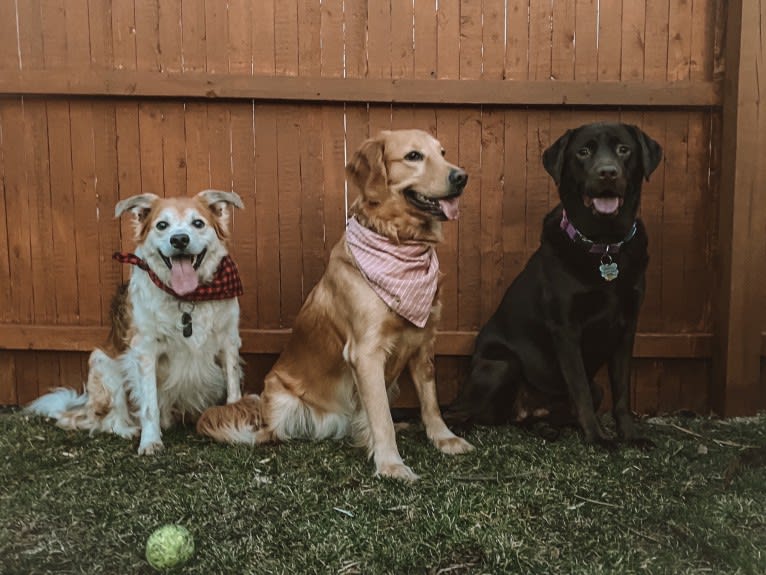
190	373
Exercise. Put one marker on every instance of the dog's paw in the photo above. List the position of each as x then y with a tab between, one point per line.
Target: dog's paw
396	471
125	430
453	445
150	448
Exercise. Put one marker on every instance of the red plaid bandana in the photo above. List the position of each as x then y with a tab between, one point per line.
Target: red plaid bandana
405	275
225	284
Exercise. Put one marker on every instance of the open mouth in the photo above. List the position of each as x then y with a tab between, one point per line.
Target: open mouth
607	205
447	208
183	271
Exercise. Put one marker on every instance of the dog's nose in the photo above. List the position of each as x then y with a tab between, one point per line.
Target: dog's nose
179	241
458	178
608	172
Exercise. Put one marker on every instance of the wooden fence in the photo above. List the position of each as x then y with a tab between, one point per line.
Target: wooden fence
100	100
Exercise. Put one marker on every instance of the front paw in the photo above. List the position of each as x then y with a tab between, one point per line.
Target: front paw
453	445
601	441
396	471
150	447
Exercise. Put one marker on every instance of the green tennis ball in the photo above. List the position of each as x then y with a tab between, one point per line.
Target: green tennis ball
169	546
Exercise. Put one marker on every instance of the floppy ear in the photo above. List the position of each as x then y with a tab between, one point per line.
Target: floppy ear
553	157
139	205
651	151
367	170
219	201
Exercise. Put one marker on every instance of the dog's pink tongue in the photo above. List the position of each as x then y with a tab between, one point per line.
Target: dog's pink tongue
606	205
183	277
451	208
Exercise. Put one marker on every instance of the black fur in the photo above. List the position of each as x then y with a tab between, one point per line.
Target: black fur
560	321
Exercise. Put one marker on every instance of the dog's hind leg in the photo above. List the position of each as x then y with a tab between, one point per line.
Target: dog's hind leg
422	370
488	396
107	396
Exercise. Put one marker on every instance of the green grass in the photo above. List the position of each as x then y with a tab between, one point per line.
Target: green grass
74	503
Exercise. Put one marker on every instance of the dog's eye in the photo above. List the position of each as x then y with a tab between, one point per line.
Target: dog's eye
623	150
199	224
413	156
161	226
583	153
444	153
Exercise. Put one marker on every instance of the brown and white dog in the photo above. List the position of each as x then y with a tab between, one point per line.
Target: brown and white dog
174	346
372	314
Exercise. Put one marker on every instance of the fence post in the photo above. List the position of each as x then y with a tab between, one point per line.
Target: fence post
739	299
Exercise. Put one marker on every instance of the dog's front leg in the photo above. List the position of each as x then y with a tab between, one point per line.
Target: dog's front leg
422	370
144	376
619	381
232	371
573	370
368	370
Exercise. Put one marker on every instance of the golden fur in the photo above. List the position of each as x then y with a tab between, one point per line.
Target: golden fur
348	347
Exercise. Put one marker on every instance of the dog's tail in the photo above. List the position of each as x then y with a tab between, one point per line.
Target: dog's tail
64	405
238	422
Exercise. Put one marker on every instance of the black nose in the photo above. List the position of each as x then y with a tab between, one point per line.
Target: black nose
608	172
458	178
179	241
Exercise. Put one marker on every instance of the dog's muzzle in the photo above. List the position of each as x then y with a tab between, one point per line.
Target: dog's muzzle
443	208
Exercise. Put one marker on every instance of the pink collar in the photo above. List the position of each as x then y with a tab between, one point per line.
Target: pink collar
593	247
405	276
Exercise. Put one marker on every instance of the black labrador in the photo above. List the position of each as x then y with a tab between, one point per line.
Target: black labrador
574	307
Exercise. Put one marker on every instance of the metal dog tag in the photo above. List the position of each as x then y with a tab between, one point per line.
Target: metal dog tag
608	268
186	321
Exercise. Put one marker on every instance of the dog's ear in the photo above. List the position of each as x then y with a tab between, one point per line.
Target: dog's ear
553	157
219	201
367	170
651	151
140	205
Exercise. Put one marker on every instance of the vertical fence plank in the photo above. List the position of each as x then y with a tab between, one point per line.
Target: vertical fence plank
106	189
740	316
9	60
266	191
563	41
312	222
333	138
633	41
447	130
586	42
609	39
517	42
468	265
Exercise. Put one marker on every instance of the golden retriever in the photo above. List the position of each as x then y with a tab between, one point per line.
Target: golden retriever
174	345
372	314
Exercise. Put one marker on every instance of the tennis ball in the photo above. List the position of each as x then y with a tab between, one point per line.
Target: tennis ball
169	546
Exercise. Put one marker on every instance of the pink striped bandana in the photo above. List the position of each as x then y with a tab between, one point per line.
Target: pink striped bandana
403	275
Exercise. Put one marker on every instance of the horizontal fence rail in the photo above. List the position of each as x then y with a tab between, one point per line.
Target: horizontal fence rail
270	341
350	90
